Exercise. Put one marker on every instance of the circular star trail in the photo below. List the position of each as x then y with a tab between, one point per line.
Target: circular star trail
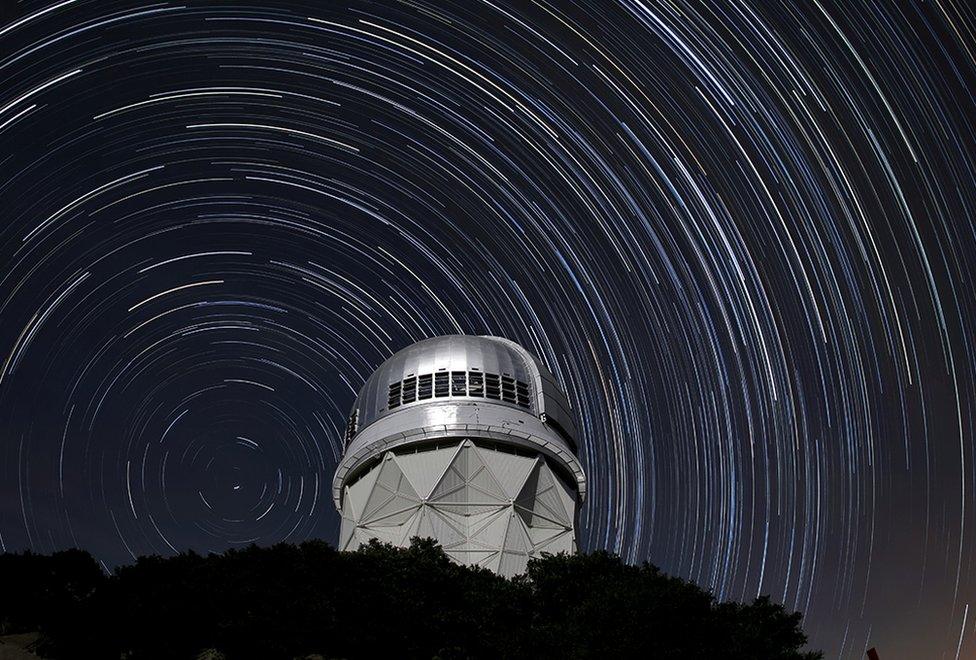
740	233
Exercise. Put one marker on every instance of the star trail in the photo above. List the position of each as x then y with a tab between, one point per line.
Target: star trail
740	233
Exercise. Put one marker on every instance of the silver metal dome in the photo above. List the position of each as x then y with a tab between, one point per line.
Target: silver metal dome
469	440
454	361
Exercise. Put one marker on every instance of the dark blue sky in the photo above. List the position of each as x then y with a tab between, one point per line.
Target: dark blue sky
741	234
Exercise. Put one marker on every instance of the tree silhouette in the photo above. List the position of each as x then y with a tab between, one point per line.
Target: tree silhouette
292	601
35	589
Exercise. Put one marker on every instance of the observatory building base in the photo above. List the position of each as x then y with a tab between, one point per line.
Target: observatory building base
487	504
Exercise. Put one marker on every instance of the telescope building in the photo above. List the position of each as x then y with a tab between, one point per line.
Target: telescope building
468	440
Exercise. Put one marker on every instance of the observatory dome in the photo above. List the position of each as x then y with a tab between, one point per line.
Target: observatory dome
461	367
469	440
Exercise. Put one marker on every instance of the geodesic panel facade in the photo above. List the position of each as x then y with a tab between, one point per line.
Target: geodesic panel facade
484	505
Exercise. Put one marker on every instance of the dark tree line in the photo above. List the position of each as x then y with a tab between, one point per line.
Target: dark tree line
292	601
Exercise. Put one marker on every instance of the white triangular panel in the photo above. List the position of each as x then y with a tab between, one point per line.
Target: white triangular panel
488	535
389	535
410	527
568	498
512	564
362	535
478	520
348	507
466	508
492	532
394	513
425	468
539	496
444	530
452	515
492	535
392	494
509	469
467	486
348	524
562	542
533	518
491	561
346	529
425	529
450	488
470	556
359	492
539	536
481	479
548	495
515	537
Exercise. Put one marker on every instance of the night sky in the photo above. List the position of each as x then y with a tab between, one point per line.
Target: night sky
742	234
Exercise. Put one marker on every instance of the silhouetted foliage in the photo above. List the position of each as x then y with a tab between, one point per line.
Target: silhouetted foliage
36	589
292	601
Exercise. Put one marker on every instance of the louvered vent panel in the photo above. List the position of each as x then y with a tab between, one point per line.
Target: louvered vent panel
409	389
492	386
353	426
508	389
459	386
442	385
424	386
476	384
473	384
